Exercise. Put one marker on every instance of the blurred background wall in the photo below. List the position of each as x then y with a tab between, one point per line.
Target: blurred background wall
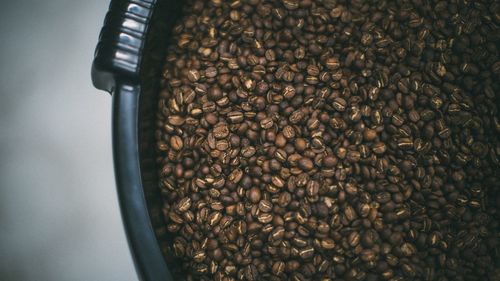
59	216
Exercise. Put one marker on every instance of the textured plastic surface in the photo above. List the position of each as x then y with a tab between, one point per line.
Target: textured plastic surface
121	68
148	257
118	54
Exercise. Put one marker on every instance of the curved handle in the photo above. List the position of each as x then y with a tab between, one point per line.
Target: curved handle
118	54
116	69
148	257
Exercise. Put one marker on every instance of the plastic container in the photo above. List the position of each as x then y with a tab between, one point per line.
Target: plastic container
127	63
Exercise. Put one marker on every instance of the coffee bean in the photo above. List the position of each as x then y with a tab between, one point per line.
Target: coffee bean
327	244
339	104
284	199
199	256
368	238
312	70
291	4
353	239
289	132
368	255
312	188
235	117
369	134
379	148
332	63
330	161
265	206
210	72
184	204
405	143
353	156
220	131
176	120
254	195
278	268
305	164
176	143
266	123
408	249
307	253
214	218
235	176
299	242
193	75
315	140
278	181
265	218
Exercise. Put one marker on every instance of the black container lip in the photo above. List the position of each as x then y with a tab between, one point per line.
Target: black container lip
116	69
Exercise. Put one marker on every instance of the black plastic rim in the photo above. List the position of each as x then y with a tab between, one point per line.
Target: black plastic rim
117	69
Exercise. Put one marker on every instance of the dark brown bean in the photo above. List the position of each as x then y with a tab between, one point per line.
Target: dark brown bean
318	140
254	195
176	143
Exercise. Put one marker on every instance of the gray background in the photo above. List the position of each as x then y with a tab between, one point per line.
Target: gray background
59	216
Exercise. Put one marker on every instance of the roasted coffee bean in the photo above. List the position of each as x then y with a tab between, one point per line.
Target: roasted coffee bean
265	218
368	255
369	134
306	253
278	268
220	131
353	239
332	63
176	143
408	249
266	123
193	75
327	244
184	204
379	148
368	238
214	218
235	116
339	104
305	164
265	206
254	195
353	156
284	199
319	140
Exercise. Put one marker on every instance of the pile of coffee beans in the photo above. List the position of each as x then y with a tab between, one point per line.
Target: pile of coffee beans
332	140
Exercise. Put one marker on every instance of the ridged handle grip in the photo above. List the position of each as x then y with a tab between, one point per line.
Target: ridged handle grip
118	54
